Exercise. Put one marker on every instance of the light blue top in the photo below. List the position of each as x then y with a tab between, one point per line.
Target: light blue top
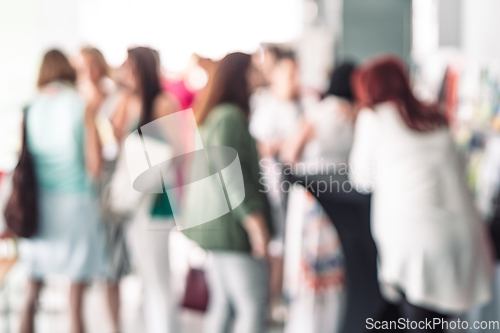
55	133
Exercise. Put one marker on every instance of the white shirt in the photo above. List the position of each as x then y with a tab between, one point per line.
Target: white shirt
333	133
272	119
432	245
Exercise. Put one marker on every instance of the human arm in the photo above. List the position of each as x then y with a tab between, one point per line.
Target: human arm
164	105
258	233
292	147
362	166
231	130
92	143
119	117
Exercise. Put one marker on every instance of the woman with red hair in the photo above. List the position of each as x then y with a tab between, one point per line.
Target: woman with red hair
434	253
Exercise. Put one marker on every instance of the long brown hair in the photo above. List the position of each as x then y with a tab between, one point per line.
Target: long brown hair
229	84
55	67
385	79
147	71
98	59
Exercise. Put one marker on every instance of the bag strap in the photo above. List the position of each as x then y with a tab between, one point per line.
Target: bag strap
24	147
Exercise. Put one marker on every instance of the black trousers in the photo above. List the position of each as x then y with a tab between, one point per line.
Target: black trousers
418	314
349	212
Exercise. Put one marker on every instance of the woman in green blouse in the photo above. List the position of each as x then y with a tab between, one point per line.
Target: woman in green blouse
237	241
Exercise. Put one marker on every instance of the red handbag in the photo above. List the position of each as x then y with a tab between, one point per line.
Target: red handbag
196	293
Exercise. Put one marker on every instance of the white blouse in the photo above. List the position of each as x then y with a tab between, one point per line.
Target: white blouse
333	132
432	245
272	119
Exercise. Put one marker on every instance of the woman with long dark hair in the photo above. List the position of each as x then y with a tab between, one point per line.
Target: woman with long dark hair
435	258
320	146
145	100
62	138
143	103
237	241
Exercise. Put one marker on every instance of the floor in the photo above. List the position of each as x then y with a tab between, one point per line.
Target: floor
53	317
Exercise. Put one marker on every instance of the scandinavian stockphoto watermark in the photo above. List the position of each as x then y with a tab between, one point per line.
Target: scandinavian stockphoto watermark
316	176
167	156
431	324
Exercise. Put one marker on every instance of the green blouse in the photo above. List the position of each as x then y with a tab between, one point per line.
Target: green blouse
226	126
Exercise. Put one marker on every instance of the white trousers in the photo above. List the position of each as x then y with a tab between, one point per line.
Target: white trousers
149	244
236	282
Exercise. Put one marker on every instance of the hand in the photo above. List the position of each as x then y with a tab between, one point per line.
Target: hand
267	149
258	234
308	130
93	104
7	233
292	147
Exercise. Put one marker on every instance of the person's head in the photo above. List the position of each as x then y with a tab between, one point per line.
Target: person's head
232	82
267	59
55	67
385	79
284	76
340	81
92	65
141	74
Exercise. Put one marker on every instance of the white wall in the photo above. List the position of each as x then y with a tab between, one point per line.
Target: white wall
480	30
176	28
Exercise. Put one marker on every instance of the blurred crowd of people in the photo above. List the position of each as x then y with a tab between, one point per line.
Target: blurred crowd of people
277	252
